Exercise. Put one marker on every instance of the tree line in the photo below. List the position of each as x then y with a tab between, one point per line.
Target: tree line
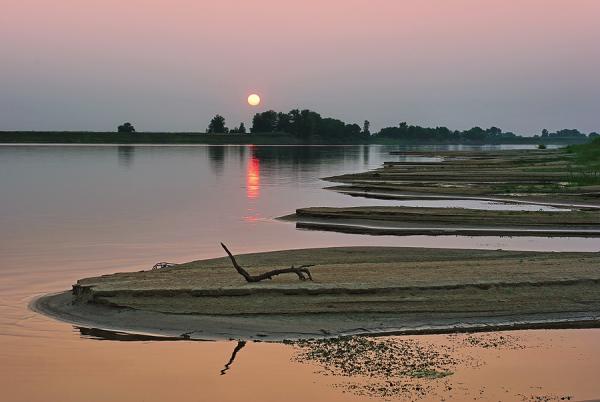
306	125
309	126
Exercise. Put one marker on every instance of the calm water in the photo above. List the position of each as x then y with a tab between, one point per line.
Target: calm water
68	212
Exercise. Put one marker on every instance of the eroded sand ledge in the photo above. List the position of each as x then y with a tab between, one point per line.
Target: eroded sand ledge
356	290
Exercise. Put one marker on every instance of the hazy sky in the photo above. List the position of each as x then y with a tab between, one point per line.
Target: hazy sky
171	64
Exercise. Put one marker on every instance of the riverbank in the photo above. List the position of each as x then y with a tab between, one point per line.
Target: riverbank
270	138
355	290
89	137
404	221
554	177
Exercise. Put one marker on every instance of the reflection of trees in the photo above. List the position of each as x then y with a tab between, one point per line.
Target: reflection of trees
216	154
294	156
242	153
125	155
240	345
284	158
365	153
301	162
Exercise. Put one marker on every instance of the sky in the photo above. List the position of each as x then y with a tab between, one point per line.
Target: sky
170	65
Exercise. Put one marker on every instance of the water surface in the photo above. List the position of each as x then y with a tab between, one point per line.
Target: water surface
68	212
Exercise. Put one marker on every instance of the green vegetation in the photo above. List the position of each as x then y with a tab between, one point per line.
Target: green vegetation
587	154
585	168
217	125
309	126
409	134
126	128
543	176
88	137
300	127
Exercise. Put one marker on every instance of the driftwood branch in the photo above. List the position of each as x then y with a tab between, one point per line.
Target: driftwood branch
302	271
161	265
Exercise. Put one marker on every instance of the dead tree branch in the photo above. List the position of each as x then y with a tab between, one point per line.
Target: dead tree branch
302	271
161	265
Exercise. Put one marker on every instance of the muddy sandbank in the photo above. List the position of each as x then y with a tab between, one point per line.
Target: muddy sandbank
356	290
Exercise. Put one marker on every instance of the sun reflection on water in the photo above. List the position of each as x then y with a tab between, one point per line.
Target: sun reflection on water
253	178
252	188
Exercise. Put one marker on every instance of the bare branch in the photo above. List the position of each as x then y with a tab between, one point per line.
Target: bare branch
302	271
161	265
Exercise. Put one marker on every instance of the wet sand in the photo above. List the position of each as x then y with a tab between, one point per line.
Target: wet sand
552	177
404	221
356	290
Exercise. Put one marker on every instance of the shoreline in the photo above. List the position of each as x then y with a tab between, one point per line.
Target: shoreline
390	195
437	221
357	291
180	327
266	138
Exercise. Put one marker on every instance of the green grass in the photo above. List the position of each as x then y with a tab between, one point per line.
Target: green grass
588	154
276	138
88	137
585	170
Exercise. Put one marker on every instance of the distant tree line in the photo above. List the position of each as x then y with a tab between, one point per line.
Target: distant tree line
416	134
306	125
217	126
309	126
568	133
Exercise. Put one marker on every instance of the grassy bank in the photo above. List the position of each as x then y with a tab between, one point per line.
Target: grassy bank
276	138
586	162
84	137
545	176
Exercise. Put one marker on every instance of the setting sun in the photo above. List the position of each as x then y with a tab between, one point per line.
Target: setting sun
254	100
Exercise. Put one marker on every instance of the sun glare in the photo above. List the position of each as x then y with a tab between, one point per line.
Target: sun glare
254	100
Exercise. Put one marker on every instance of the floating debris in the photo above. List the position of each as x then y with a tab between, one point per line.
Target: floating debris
491	340
392	367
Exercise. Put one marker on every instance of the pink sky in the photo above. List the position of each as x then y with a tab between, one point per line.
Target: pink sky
170	65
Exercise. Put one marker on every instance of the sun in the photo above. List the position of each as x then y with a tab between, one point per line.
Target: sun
254	100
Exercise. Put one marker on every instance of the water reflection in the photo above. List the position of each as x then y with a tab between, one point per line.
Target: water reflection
125	155
240	345
366	154
216	155
69	212
107	335
253	177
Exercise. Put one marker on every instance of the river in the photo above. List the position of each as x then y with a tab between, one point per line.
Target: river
72	211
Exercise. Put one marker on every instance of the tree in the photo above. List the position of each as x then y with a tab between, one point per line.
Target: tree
241	129
493	131
544	133
475	134
283	122
217	125
306	124
265	122
126	128
366	126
